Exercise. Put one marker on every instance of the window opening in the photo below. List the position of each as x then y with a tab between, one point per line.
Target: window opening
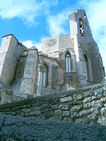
44	75
68	62
81	27
86	66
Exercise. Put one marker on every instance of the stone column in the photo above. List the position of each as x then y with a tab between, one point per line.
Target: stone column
50	77
39	85
28	80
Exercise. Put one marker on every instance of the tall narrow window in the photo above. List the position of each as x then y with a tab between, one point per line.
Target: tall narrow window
68	62
86	66
44	75
81	27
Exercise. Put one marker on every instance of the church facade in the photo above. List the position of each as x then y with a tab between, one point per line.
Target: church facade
65	61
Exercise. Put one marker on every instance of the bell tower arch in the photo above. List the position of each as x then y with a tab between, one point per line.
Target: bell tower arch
80	33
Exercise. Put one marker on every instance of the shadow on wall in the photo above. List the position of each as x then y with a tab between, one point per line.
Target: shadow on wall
29	129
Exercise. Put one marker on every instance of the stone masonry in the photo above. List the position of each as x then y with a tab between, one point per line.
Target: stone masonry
58	93
65	62
73	115
85	105
28	129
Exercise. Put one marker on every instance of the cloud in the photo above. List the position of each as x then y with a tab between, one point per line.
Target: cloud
29	44
57	23
27	10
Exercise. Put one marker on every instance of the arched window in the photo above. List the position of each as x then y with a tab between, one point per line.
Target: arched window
44	75
68	62
81	27
86	66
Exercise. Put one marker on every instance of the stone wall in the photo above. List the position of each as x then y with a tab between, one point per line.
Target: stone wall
29	129
28	80
85	45
85	105
7	53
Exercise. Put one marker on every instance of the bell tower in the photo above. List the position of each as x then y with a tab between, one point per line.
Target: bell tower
79	25
86	49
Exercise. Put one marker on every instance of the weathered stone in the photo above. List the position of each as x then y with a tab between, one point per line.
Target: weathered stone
54	106
35	108
44	106
99	91
34	113
85	113
103	111
87	105
56	118
67	119
64	107
49	114
102	120
103	99
65	113
32	129
97	103
66	99
89	99
78	96
29	70
11	113
50	107
74	115
26	114
76	108
82	120
57	112
25	110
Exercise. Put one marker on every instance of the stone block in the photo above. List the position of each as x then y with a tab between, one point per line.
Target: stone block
57	112
97	103
35	108
25	110
68	119
66	99
26	114
55	106
82	120
34	113
48	114
99	91
65	113
78	96
64	107
56	118
76	108
84	113
89	99
87	105
103	111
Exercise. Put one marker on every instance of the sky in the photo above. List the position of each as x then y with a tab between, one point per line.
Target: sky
31	20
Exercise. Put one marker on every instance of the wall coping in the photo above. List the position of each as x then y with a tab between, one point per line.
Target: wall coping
48	97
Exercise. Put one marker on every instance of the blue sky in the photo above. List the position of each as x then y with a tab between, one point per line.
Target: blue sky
31	20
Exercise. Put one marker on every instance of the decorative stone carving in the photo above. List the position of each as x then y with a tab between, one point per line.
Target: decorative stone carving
52	42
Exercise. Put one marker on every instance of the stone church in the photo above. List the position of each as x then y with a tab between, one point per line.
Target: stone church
65	61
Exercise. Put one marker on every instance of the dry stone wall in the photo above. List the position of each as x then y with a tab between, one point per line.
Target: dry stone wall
85	105
28	129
